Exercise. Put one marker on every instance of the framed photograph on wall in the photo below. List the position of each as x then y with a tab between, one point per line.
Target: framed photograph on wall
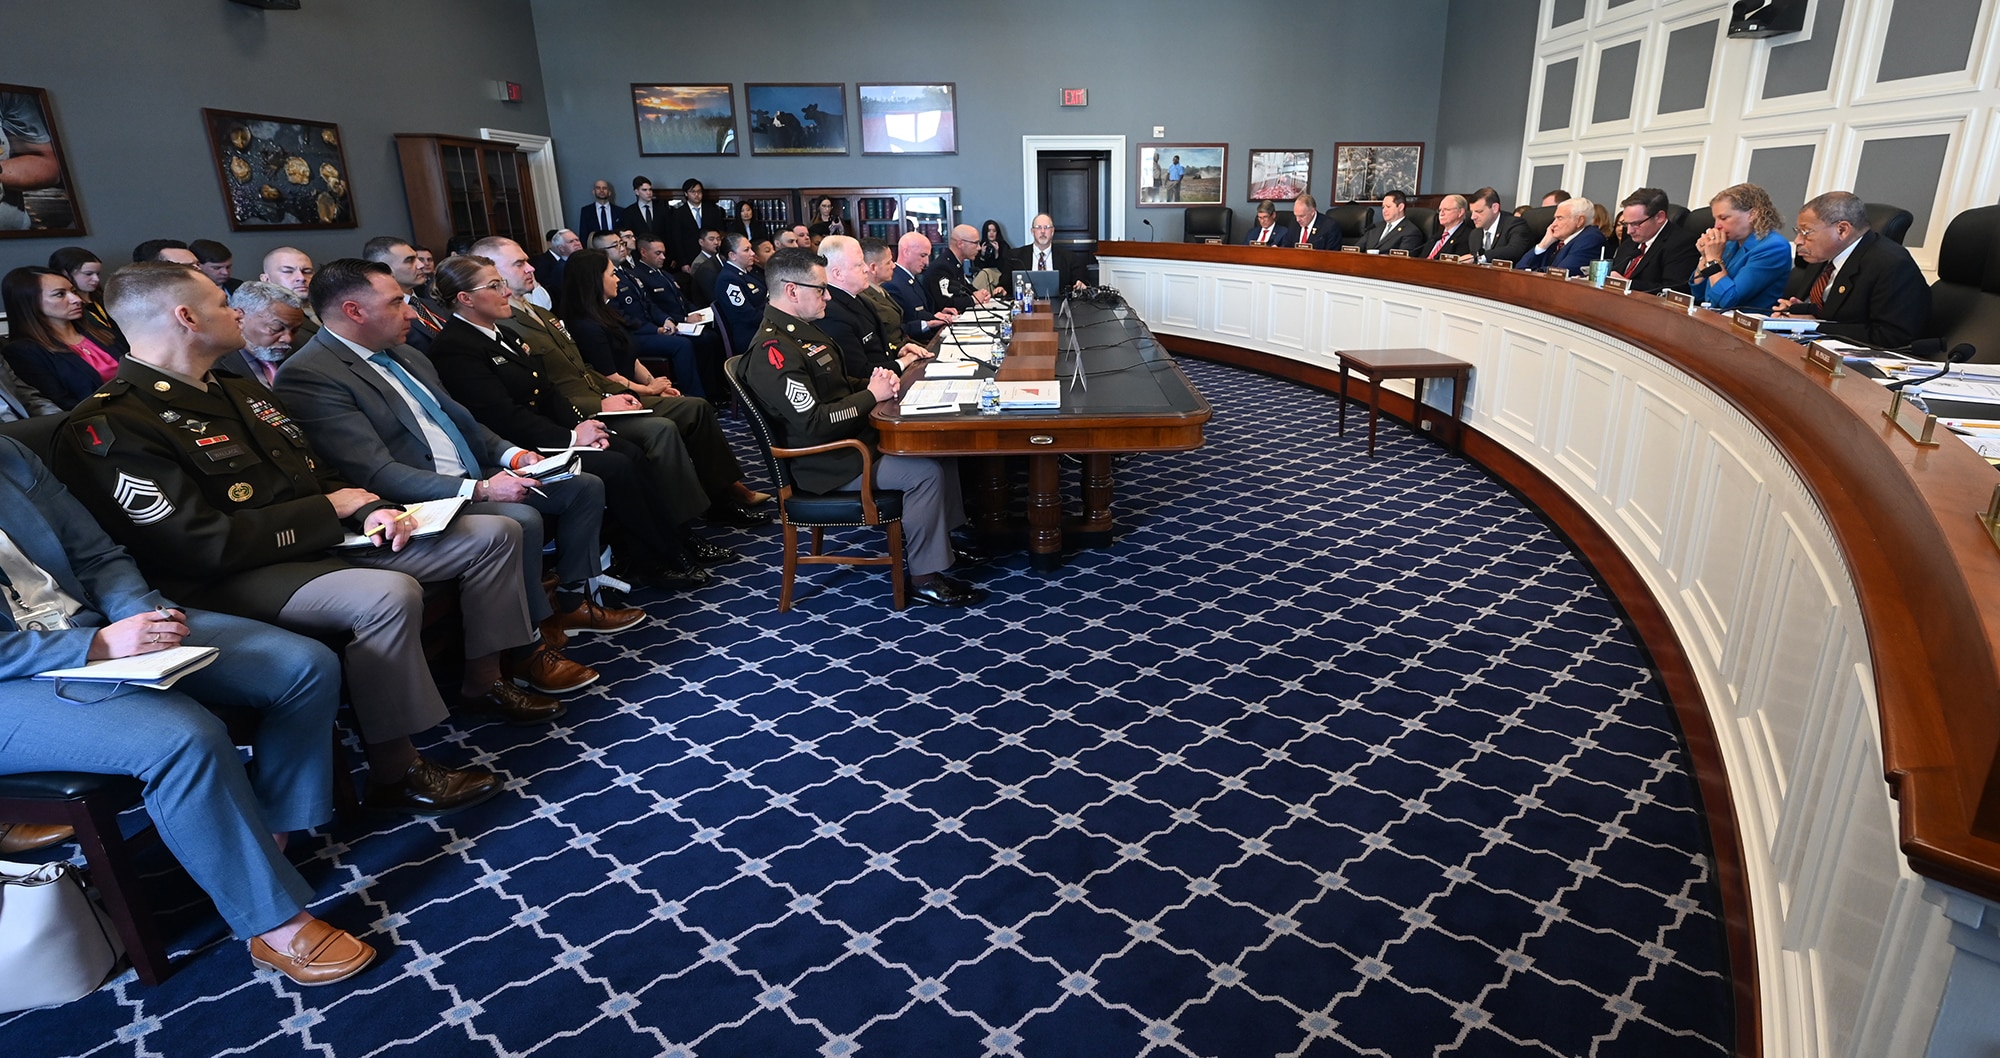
908	118
38	198
1182	174
685	119
1279	175
1362	171
279	174
797	118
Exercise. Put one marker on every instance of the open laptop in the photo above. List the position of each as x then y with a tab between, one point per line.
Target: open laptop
1044	282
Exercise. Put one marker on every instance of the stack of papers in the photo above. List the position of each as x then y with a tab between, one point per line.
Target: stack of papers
158	670
1982	435
432	517
955	369
940	392
1019	396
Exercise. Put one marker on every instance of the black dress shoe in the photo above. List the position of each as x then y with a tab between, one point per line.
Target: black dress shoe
737	517
709	554
510	704
685	576
943	591
428	789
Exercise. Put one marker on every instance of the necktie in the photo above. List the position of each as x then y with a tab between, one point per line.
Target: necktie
1442	236
1818	296
646	211
425	316
1487	243
1306	233
1041	260
266	370
1556	251
1632	266
603	217
431	408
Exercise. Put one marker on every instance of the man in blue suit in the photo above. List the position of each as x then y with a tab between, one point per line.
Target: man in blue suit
1572	242
913	255
72	597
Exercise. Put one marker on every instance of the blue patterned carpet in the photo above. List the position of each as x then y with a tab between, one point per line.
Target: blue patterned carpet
1328	756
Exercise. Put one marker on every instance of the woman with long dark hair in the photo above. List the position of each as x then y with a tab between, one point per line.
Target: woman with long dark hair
86	273
993	248
746	223
55	347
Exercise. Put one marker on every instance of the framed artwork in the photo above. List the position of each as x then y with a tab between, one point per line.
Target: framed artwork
279	174
1362	171
1182	174
797	118
685	119
1279	175
37	198
908	118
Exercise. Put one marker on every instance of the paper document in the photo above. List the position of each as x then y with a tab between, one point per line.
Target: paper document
158	670
1952	387
1027	395
706	315
553	466
934	391
689	329
621	414
958	369
432	517
1782	324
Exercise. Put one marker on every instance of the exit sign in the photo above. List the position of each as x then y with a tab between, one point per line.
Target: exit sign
1076	97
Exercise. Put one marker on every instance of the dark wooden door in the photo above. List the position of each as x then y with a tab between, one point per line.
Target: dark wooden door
1071	190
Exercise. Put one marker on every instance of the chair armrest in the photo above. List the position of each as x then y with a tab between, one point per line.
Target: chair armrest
867	468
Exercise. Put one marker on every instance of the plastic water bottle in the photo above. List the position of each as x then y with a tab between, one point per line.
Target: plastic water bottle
989	398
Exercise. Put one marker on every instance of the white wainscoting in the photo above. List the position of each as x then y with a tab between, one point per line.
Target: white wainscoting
1852	946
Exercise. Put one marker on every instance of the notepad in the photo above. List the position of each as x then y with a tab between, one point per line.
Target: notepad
959	369
432	516
158	670
552	467
621	414
1024	396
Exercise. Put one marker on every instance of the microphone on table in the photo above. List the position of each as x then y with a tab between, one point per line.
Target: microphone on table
1149	228
1960	353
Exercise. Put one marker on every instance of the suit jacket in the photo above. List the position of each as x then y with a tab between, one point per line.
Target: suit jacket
739	304
242	366
1407	235
1281	235
660	291
945	286
587	223
18	400
1512	238
562	362
1668	264
500	383
1022	259
1322	232
1878	297
1458	243
888	313
548	270
753	230
58	374
56	533
902	286
1576	253
684	232
853	326
662	227
421	330
361	422
701	286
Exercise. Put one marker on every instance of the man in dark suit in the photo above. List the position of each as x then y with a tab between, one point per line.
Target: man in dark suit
1454	235
1265	231
549	263
378	412
864	344
1316	229
1396	232
644	216
1044	255
1864	287
1496	235
1572	241
686	222
272	317
945	283
18	400
427	316
913	254
1655	254
598	214
707	265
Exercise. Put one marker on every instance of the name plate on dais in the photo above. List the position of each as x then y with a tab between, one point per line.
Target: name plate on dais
1504	265
1618	284
1675	297
1825	359
1743	322
1350	249
1557	273
1991	519
1399	253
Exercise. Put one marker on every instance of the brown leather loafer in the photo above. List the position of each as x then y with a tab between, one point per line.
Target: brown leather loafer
549	672
590	617
428	789
27	837
509	705
319	954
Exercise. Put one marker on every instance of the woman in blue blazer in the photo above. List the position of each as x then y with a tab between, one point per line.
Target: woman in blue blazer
1745	258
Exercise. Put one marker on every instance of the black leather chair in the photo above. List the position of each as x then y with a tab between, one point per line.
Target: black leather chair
1202	223
1965	300
1893	222
1698	221
821	511
1676	214
1538	220
1354	218
1426	218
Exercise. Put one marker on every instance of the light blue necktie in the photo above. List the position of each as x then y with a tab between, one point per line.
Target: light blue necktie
431	408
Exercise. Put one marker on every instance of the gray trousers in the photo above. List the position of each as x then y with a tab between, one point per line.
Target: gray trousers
932	506
381	604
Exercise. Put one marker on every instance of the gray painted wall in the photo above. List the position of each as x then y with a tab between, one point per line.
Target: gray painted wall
1209	74
1489	64
128	89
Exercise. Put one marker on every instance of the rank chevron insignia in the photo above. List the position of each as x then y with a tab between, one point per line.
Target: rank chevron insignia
797	395
141	499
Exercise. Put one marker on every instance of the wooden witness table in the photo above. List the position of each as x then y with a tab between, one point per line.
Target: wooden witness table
1134	399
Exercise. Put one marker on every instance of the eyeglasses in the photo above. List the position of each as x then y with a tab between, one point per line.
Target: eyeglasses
498	286
821	287
1805	233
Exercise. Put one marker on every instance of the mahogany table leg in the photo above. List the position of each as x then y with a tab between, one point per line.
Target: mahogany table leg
1374	408
1094	530
989	477
1458	383
1045	512
1343	398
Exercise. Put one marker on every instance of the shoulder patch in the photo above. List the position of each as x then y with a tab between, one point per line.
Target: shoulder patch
93	435
775	355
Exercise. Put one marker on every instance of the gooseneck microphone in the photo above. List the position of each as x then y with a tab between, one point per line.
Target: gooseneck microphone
1149	228
1960	353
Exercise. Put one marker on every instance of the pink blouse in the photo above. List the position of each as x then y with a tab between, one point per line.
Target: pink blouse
96	357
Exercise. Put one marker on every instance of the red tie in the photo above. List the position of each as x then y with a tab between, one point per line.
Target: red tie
1818	295
1306	233
1633	265
1432	256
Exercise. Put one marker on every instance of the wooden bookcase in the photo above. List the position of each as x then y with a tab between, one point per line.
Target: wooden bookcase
886	213
777	207
465	188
